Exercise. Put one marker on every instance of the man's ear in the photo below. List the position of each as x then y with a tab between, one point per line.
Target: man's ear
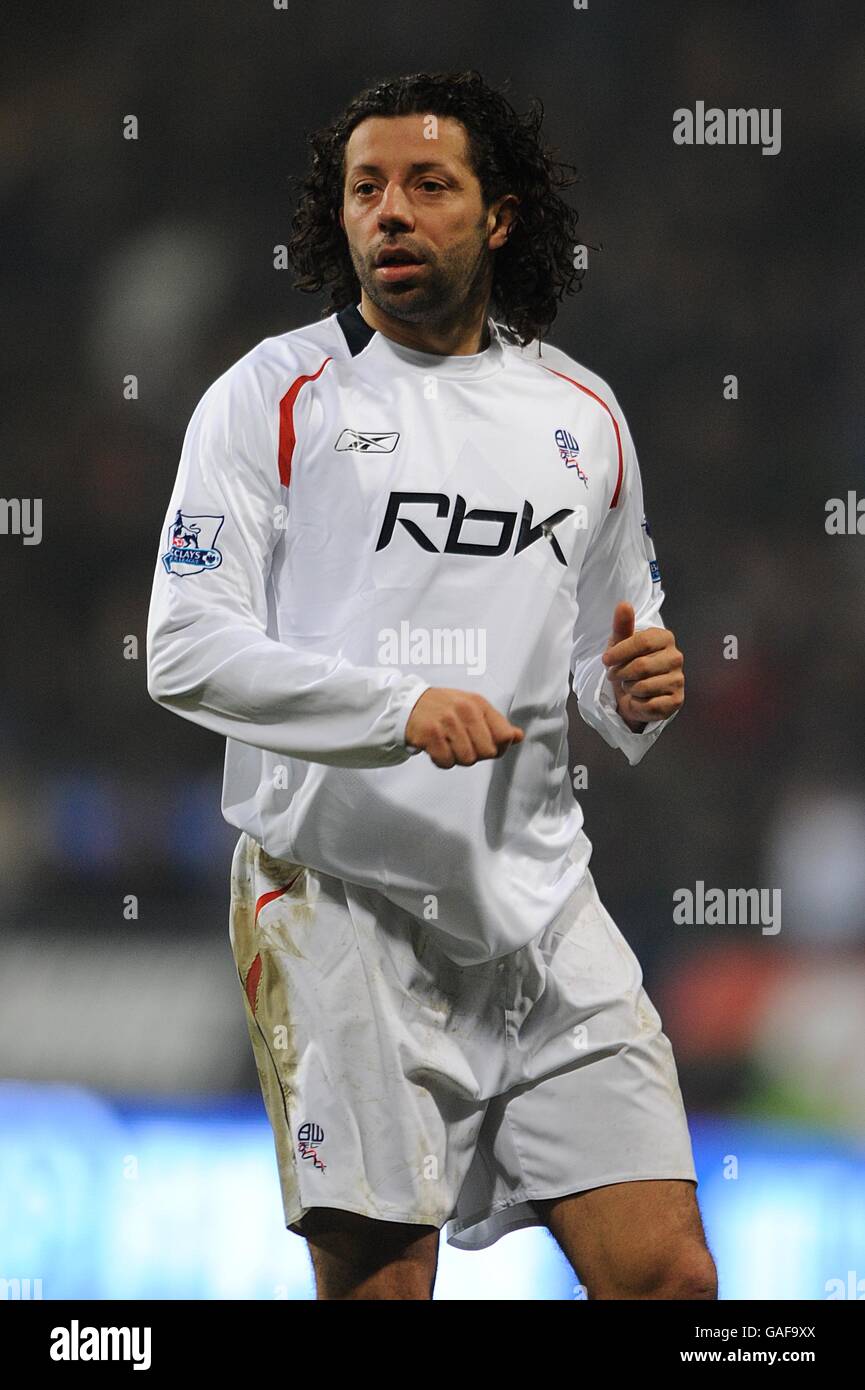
506	213
341	220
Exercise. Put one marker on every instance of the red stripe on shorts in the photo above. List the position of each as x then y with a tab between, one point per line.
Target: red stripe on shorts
276	893
252	979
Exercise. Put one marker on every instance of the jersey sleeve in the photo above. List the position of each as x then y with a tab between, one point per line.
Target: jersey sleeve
619	566
209	657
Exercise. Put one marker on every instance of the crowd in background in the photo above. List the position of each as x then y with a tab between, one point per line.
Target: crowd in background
154	257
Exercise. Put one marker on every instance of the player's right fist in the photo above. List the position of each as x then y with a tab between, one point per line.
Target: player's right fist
456	727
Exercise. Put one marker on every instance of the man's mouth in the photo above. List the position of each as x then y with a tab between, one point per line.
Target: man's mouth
396	263
396	255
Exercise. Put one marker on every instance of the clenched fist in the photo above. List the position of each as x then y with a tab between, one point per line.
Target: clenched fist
645	669
456	727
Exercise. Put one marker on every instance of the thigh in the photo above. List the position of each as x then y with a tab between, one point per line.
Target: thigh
634	1239
593	1098
355	1257
374	1109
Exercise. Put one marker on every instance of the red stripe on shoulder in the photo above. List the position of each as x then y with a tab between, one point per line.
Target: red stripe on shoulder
597	398
287	436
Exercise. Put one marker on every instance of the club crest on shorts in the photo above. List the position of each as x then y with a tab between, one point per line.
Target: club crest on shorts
309	1136
190	543
569	451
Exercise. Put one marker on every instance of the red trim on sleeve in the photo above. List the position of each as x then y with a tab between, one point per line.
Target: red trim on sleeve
597	398
287	436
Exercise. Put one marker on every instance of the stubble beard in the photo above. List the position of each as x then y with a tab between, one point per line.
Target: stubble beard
446	292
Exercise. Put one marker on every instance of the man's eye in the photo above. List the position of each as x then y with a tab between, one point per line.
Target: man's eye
362	186
432	186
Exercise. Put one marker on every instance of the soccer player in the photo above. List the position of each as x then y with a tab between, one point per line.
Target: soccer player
402	528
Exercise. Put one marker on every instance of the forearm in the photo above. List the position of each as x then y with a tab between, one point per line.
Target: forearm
241	684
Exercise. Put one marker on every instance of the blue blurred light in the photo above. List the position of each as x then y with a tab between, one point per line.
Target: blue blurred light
107	1199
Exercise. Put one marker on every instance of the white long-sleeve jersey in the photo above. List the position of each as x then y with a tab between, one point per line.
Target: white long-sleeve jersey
354	521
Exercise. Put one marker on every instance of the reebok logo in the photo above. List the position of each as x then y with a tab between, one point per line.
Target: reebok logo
502	525
358	443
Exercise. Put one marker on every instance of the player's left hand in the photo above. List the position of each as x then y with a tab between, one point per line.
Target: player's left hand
645	669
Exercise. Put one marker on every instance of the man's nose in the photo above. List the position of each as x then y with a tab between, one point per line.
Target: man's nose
394	206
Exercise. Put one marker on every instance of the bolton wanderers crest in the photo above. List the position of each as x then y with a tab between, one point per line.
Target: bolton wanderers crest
569	451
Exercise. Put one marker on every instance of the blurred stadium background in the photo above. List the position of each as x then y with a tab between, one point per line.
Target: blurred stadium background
135	1158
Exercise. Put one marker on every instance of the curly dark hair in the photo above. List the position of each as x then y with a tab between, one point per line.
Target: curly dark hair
533	270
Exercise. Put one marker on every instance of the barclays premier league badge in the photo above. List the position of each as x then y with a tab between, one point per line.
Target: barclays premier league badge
191	546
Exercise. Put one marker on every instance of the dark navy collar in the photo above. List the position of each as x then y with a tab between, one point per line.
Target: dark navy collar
358	334
355	329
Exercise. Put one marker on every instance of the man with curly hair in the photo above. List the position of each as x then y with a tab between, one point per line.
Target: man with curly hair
415	520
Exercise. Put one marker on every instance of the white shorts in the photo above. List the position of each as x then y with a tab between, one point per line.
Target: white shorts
408	1088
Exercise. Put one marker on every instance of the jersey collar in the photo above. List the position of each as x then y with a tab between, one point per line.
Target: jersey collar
359	334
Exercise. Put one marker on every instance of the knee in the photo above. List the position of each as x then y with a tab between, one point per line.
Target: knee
690	1274
685	1272
696	1276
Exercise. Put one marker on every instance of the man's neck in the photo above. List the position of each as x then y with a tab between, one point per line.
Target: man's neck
461	339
